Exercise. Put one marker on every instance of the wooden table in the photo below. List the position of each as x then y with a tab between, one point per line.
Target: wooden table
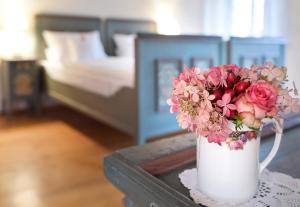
148	174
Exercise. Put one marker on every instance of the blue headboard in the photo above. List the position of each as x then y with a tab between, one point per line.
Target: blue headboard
158	58
63	23
125	26
247	51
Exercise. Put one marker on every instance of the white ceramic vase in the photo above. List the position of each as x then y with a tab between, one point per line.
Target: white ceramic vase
231	176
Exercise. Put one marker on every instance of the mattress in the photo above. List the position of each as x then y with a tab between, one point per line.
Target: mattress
104	77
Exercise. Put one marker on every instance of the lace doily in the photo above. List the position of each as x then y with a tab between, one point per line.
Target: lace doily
275	190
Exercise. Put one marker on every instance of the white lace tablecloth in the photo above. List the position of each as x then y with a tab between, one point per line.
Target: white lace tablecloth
275	190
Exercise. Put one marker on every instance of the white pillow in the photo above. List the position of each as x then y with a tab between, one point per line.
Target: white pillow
87	46
52	55
124	44
57	46
73	46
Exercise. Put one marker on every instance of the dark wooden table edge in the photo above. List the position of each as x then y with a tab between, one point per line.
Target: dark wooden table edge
116	164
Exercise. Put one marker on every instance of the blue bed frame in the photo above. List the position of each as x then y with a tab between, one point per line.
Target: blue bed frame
141	111
130	110
248	51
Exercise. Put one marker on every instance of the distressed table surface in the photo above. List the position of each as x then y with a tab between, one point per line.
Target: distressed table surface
148	174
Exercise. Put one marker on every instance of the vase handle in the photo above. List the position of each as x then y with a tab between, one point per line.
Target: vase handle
279	129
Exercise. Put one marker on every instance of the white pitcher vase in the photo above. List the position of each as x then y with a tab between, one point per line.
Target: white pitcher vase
232	176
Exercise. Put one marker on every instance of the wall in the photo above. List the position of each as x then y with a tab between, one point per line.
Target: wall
185	12
172	16
276	18
293	35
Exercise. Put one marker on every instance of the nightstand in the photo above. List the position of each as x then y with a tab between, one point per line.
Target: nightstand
20	83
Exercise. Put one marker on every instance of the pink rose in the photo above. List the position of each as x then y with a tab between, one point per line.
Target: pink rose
243	105
263	95
249	113
249	120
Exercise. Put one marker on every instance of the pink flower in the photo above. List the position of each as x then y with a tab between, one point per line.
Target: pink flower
203	116
273	112
224	75
235	145
218	133
193	91
218	75
249	112
175	81
185	75
215	139
196	73
243	105
225	104
249	74
189	74
286	102
263	95
260	94
214	76
174	104
272	72
292	106
180	88
244	72
249	120
183	120
233	68
207	100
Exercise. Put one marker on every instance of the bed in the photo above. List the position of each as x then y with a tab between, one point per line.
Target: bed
137	106
103	77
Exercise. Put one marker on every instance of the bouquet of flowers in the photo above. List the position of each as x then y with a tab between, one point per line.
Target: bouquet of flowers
211	102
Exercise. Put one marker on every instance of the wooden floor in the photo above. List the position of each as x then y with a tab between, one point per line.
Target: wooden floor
55	160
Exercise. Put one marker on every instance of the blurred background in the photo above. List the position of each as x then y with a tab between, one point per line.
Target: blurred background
52	155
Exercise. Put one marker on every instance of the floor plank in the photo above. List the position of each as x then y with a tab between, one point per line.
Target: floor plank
55	159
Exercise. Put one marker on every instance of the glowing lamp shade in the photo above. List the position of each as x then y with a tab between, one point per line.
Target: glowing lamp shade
15	39
13	15
16	44
168	26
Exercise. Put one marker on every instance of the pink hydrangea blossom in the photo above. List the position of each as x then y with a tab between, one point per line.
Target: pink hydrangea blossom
271	72
217	76
226	105
214	76
207	98
174	104
181	88
184	120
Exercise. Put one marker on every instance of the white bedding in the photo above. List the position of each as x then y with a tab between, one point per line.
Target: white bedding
104	76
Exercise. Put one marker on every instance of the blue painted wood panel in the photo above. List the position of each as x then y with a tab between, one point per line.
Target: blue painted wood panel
248	51
149	48
166	70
